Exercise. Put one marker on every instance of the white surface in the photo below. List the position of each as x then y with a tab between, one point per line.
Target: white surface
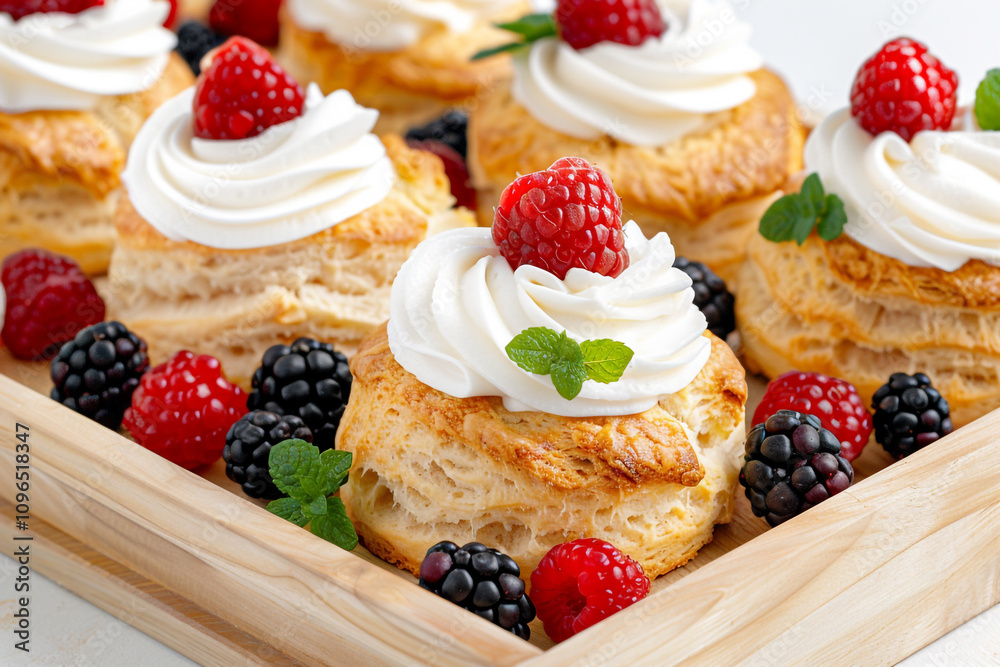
818	45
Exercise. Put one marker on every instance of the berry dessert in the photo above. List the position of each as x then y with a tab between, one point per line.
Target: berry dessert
482	580
248	445
884	258
96	372
253	19
517	415
791	464
676	128
182	410
79	78
194	41
711	295
49	299
582	582
249	222
309	380
909	414
409	59
835	402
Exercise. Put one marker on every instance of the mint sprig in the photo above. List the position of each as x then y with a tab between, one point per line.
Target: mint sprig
542	351
794	216
987	106
309	478
530	28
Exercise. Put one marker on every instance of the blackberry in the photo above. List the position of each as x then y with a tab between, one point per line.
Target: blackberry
483	580
449	129
96	372
909	414
308	379
194	40
248	445
711	296
791	464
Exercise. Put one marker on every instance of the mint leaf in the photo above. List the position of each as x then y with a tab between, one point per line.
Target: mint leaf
605	360
334	465
531	28
289	463
987	106
568	378
535	349
289	509
831	224
316	508
335	527
794	216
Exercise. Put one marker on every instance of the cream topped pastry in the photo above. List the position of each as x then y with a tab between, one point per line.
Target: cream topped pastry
389	25
931	201
457	303
293	180
73	61
648	94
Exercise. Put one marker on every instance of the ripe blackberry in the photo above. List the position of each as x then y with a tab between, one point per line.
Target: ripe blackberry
194	40
711	296
791	464
308	379
450	130
96	372
483	580
248	446
909	414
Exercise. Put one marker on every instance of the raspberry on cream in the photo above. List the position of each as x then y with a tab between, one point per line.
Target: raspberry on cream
388	25
71	61
933	201
457	303
646	95
293	180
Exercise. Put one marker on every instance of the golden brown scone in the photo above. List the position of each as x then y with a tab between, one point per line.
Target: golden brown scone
409	87
234	304
194	9
59	171
706	190
431	467
842	309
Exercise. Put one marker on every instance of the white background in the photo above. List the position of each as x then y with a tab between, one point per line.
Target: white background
818	45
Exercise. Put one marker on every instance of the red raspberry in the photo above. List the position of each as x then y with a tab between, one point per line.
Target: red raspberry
183	409
172	16
835	402
49	300
243	92
583	23
582	582
454	168
253	19
18	9
566	216
904	89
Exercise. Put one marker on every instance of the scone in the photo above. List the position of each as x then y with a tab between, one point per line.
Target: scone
409	59
698	139
76	89
454	440
230	246
913	283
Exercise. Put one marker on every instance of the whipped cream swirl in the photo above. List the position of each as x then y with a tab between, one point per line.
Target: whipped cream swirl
71	61
388	25
456	304
934	201
646	95
291	181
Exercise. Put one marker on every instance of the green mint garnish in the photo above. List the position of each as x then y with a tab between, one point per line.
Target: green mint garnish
531	28
309	478
542	351
987	107
794	216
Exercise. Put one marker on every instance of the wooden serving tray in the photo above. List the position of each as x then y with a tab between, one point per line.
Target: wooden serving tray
870	576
